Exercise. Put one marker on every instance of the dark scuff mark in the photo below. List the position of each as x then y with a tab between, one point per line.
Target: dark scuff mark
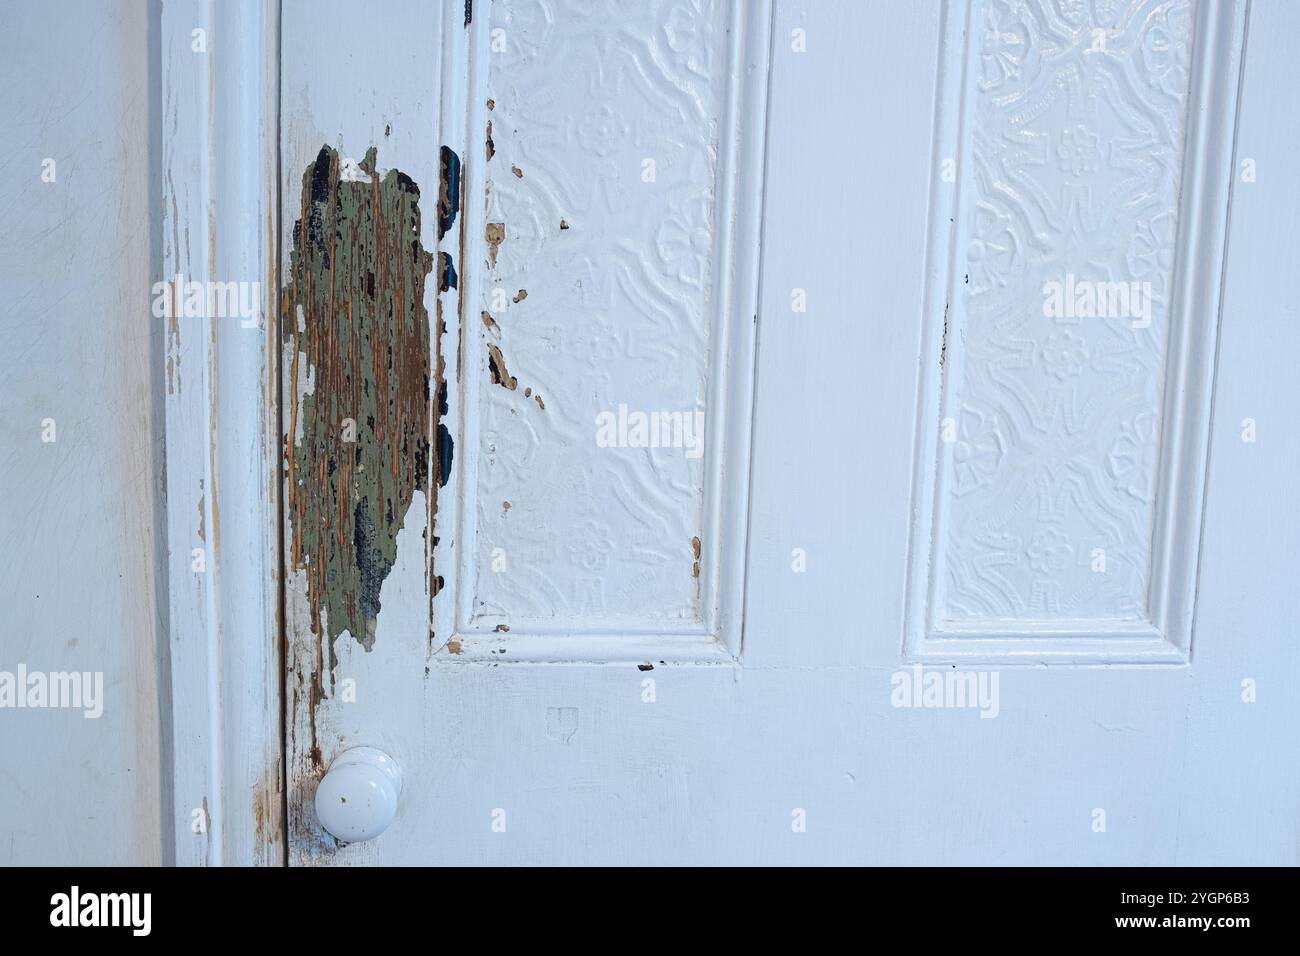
469	12
943	348
501	628
448	189
451	187
491	146
695	548
491	104
446	273
563	224
357	273
645	667
500	374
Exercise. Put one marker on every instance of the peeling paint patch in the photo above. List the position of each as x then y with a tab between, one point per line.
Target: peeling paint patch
521	295
448	189
451	187
488	321
519	173
491	146
495	233
268	820
357	275
500	374
695	548
446	272
203	498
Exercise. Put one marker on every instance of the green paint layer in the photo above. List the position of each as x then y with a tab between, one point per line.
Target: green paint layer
361	341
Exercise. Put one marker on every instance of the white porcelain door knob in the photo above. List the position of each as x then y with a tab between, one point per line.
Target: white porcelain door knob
357	800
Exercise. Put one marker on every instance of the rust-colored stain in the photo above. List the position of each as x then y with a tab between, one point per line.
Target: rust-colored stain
495	233
362	333
268	818
203	497
173	316
500	374
695	548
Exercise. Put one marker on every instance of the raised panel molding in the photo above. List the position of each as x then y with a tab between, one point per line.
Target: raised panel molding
1083	165
612	192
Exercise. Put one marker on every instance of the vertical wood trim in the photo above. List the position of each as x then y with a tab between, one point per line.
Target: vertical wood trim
219	195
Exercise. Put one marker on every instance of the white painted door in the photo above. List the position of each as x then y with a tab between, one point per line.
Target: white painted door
823	432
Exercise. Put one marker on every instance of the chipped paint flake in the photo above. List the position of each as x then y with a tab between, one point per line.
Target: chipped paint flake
495	233
500	374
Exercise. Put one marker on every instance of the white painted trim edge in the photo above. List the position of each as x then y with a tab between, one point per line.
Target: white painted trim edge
220	149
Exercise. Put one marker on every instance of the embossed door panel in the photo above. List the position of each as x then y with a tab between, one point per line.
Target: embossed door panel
1065	426
677	392
620	144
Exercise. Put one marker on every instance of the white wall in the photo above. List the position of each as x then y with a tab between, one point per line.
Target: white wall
78	516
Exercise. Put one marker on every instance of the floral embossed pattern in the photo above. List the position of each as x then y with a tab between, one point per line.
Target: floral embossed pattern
602	173
1077	146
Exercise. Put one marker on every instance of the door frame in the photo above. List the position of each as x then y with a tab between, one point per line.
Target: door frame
217	204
